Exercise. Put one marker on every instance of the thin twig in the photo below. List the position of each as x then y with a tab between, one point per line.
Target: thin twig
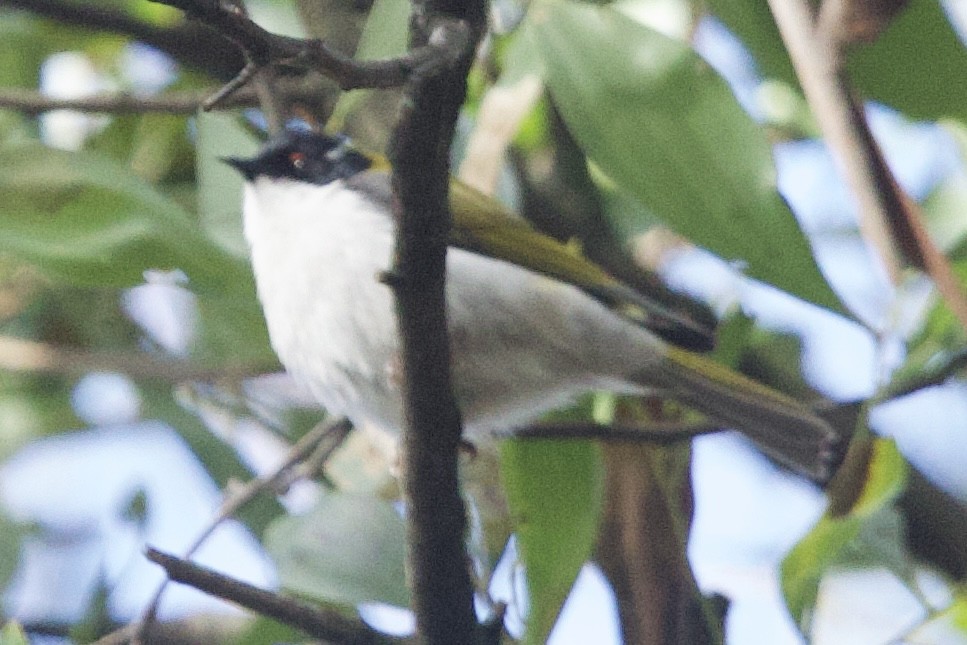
265	48
318	622
817	64
34	102
933	376
20	355
335	430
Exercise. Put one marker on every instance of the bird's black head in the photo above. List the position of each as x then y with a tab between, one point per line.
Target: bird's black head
303	156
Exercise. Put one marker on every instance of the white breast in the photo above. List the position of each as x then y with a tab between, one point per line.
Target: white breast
521	343
316	253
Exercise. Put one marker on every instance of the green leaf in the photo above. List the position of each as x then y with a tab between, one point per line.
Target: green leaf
22	50
554	490
89	221
665	127
386	31
916	66
947	625
219	185
264	630
828	541
13	634
349	549
11	536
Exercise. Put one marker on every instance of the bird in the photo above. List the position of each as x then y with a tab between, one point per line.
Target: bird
532	323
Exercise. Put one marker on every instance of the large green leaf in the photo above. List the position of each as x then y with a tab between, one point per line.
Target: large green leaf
666	128
554	490
349	549
88	220
828	541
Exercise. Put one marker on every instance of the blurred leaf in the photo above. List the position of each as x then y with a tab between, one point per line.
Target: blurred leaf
491	524
232	330
22	50
825	545
219	185
264	630
917	66
97	618
13	634
753	23
554	490
664	126
945	205
89	221
156	146
347	550
935	352
33	406
386	31
11	536
162	150
947	626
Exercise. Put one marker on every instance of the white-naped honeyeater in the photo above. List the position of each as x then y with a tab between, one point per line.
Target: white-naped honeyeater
532	323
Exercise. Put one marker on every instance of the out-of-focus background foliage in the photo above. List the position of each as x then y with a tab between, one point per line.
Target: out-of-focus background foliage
136	380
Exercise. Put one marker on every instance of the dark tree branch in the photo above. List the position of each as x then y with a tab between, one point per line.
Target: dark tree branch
436	521
265	48
642	547
319	622
314	449
190	44
443	41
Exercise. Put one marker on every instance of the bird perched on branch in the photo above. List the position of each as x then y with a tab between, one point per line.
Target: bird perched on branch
532	323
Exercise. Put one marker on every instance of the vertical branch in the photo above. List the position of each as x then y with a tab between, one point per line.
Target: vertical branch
816	57
889	219
436	520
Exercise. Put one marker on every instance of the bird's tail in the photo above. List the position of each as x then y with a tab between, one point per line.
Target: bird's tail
783	428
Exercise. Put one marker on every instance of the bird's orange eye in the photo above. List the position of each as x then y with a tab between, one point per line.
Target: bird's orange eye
298	160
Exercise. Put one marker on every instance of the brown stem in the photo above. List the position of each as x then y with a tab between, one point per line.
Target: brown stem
889	219
21	355
436	520
34	102
336	430
265	48
319	622
641	547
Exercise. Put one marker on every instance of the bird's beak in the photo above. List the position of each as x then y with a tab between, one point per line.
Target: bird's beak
248	167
